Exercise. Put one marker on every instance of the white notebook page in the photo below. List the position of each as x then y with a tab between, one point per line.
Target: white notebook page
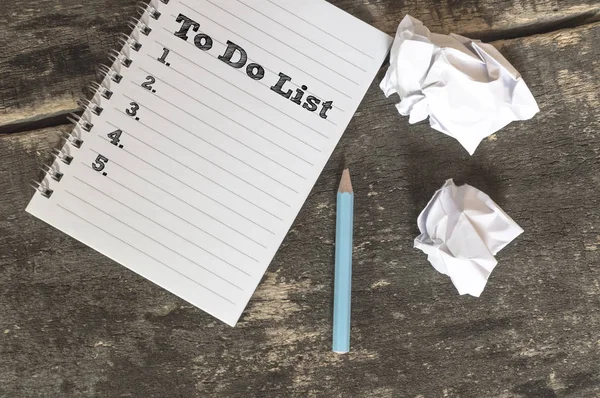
196	168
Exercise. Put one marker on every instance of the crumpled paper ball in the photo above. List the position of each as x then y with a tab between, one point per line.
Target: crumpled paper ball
462	229
466	87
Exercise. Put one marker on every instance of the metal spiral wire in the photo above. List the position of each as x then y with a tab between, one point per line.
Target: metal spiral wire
80	121
42	188
99	91
53	172
137	24
110	72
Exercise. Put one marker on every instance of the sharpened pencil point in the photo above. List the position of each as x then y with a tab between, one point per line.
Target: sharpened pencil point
345	183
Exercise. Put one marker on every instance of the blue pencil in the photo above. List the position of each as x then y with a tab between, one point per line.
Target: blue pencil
343	265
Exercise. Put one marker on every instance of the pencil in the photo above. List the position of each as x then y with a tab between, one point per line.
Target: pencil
343	265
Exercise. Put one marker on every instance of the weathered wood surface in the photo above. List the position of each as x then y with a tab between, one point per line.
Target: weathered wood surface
51	48
73	323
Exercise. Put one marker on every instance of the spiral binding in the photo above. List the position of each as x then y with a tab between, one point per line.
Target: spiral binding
98	89
99	92
52	172
42	188
73	139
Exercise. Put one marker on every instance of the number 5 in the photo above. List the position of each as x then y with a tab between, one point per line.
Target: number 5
99	163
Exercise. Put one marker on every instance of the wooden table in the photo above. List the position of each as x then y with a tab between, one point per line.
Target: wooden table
73	323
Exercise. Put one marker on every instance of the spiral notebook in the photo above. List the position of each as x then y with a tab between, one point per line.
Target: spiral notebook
203	140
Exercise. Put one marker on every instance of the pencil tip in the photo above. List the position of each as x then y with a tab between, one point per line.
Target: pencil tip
345	183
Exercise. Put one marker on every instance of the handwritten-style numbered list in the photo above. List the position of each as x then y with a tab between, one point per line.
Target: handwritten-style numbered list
207	139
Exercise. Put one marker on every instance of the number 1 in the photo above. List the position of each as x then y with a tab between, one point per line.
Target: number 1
163	58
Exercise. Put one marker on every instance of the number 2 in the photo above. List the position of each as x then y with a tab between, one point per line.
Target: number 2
100	163
148	84
134	108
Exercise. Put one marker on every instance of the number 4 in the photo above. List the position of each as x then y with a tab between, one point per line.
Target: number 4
115	137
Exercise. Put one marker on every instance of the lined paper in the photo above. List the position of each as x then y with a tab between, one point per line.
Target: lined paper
195	170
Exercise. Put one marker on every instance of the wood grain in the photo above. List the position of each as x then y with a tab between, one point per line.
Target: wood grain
50	50
74	324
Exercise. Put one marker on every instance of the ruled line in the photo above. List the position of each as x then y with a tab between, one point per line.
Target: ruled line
181	218
194	171
224	169
155	241
219	167
241	89
235	121
304	37
212	145
250	60
274	55
190	205
284	43
315	26
170	157
175	233
221	131
221	149
194	189
144	253
184	220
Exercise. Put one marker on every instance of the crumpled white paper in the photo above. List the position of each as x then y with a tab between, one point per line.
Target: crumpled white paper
466	87
461	231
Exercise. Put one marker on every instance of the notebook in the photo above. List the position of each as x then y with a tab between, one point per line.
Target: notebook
204	138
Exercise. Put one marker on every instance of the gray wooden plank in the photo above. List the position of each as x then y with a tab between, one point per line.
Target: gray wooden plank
74	323
50	50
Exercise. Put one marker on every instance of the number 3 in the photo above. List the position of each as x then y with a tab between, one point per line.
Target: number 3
100	163
134	108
